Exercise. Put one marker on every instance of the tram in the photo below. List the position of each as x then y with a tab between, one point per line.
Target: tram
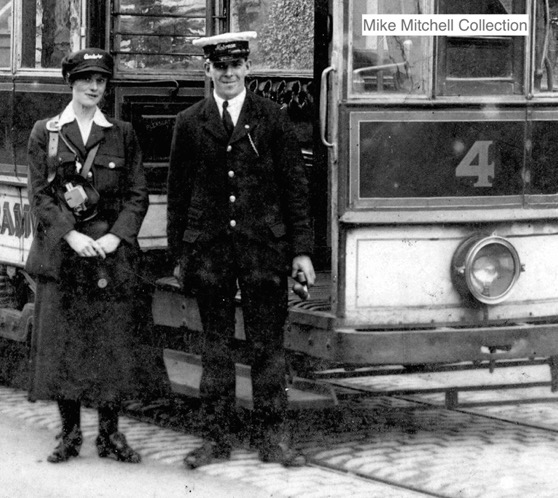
431	161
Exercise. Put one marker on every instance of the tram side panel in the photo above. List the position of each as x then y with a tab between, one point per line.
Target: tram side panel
21	107
458	172
423	189
17	223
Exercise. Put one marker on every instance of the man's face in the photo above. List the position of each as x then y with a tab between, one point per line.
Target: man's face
228	77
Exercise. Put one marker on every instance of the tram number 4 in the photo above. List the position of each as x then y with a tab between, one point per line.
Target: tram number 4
476	163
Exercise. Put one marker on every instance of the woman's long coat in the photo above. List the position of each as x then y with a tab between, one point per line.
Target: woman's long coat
83	333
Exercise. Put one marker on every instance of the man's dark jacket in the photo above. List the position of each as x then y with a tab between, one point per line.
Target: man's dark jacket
256	180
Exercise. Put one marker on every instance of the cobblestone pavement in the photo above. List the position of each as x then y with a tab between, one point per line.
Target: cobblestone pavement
168	446
450	453
395	448
508	450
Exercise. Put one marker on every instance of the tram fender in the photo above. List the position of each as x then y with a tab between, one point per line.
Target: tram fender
16	325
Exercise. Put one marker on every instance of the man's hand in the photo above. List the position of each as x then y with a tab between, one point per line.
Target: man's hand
303	263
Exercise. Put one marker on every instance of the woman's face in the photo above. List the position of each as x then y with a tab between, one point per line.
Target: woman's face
88	89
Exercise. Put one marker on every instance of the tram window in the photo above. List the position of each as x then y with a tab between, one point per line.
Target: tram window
285	32
155	36
491	65
5	32
546	46
50	29
464	66
392	64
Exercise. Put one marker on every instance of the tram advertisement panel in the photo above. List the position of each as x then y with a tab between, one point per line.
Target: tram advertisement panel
17	223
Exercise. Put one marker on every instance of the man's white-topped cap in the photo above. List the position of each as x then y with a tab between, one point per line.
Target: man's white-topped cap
226	47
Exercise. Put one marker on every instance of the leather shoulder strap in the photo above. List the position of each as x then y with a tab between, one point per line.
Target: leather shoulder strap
53	129
89	161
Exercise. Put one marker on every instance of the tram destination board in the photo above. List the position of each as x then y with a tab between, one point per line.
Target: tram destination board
454	158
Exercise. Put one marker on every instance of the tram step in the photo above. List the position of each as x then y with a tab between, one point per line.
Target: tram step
185	369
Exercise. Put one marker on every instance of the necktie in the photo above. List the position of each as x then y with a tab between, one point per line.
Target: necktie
227	120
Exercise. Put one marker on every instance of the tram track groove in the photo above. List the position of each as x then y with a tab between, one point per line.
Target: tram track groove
395	448
333	468
319	464
474	411
394	459
355	435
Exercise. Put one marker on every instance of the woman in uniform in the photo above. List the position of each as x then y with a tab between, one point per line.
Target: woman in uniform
89	197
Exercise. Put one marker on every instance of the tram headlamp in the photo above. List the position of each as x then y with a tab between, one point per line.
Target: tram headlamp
487	268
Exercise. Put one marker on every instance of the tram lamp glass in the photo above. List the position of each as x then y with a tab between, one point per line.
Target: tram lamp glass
486	268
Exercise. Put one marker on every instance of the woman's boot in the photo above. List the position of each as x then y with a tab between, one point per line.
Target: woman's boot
111	443
70	437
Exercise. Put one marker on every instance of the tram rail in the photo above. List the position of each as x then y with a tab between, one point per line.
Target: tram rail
366	428
379	439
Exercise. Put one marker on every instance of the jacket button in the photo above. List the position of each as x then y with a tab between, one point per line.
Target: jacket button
229	148
231	173
232	198
232	223
111	165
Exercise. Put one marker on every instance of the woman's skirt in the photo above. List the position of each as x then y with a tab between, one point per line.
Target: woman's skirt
83	334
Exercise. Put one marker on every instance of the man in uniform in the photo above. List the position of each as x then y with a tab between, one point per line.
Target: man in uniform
238	211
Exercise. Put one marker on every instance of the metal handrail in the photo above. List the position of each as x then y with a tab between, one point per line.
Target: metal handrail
395	65
323	106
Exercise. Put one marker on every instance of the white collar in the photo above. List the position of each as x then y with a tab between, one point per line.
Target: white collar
68	115
234	102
